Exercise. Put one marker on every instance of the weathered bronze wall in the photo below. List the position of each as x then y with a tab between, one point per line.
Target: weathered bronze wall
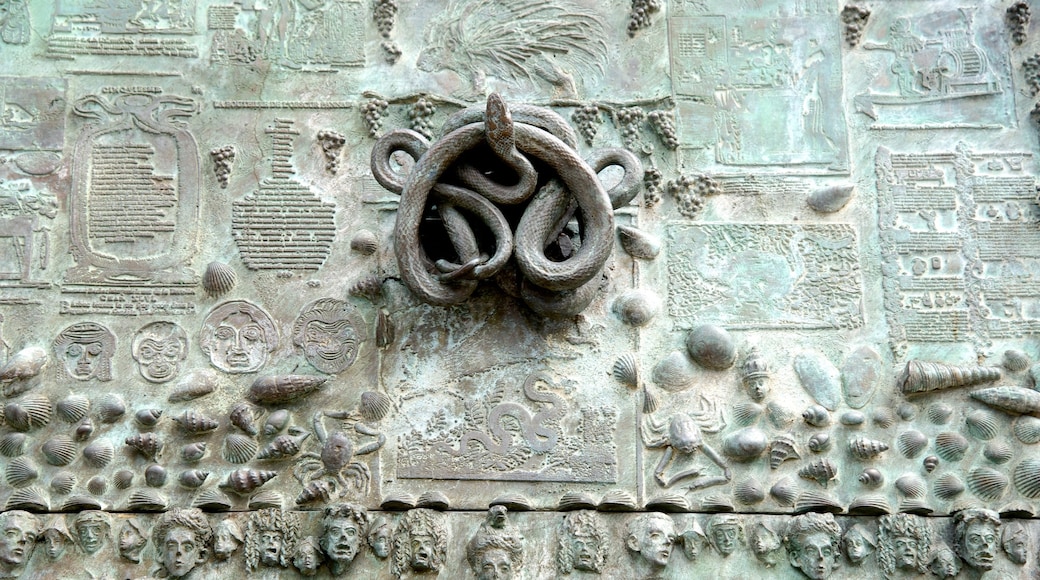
519	289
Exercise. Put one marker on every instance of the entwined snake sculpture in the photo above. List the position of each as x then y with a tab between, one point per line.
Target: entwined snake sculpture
514	136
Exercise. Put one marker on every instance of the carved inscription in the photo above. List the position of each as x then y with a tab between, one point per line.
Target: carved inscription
149	28
764	276
283	225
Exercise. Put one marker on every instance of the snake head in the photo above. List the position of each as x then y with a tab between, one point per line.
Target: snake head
498	123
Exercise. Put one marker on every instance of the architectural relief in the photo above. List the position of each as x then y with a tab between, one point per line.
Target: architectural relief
488	289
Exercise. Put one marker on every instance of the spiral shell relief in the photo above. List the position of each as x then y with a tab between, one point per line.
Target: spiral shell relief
245	481
244	415
781	449
821	471
864	448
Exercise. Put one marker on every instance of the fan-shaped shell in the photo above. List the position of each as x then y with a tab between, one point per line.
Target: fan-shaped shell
111	409
148	417
819	442
910	485
982	424
219	279
626	370
669	502
278	389
282	447
884	417
864	448
63	482
196	384
1015	360
374	406
574	500
244	415
147	500
780	416
911	443
711	347
816	416
30	499
1027	429
401	501
920	377
59	450
265	499
148	444
97	485
13	444
192	477
194	422
784	491
1027	477
717	503
821	471
155	475
871	477
245	481
123	478
433	500
193	452
1018	510
637	307
997	452
276	421
747	413
364	242
639	244
987	483
32	412
72	408
781	449
947	486
951	446
814	500
21	471
212	500
617	500
99	453
870	505
674	372
78	503
239	448
650	401
749	492
939	413
513	502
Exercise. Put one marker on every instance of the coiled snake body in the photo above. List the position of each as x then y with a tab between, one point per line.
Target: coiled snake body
550	287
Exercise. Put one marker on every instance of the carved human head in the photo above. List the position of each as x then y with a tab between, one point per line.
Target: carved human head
132	538
725	533
495	552
227	538
945	563
271	537
379	537
766	545
159	348
1014	538
18	533
977	532
56	537
420	542
330	332
182	539
581	543
238	337
308	557
904	543
343	531
651	536
693	541
812	544
859	543
92	530
755	375
86	350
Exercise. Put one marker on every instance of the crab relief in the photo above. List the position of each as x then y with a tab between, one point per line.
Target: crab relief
333	472
681	437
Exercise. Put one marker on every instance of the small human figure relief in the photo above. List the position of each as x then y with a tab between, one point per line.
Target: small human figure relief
86	349
25	245
227	539
496	551
182	538
813	545
945	563
330	332
582	543
159	349
859	543
343	535
379	537
681	436
976	534
420	544
308	557
238	337
650	539
93	531
904	543
19	531
1014	538
132	539
271	538
55	537
766	545
725	533
15	22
